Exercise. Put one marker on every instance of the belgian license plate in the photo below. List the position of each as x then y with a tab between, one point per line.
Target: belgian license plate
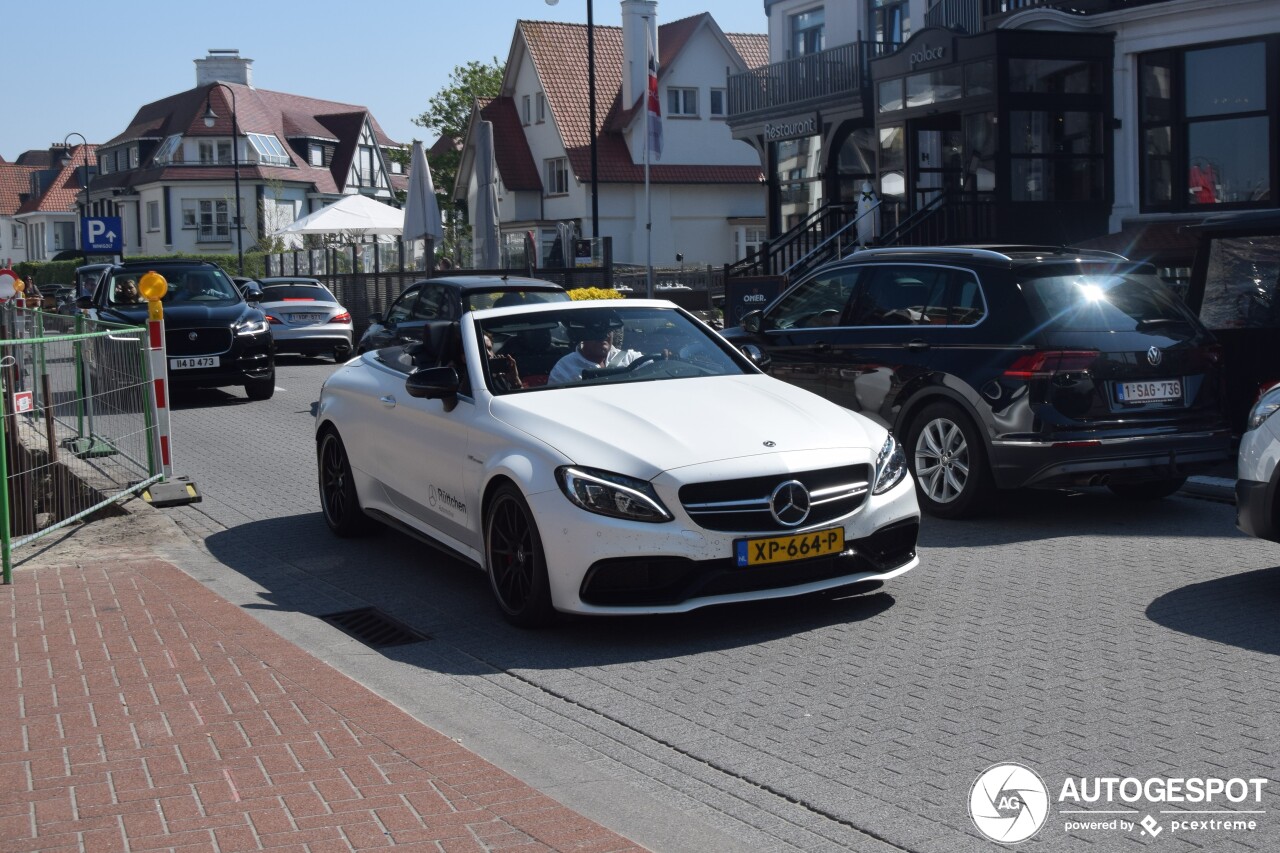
784	549
198	361
306	318
1156	391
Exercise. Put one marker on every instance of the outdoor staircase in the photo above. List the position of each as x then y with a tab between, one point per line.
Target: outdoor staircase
831	233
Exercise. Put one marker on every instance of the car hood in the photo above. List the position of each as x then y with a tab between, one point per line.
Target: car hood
185	315
645	428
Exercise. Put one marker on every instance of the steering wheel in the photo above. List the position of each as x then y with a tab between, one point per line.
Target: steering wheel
645	359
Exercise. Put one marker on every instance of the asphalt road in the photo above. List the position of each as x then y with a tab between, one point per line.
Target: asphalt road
1070	632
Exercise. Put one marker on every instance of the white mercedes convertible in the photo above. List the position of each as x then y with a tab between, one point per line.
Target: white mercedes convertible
612	456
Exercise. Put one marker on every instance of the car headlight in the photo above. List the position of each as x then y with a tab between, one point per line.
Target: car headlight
610	494
252	327
1266	406
891	466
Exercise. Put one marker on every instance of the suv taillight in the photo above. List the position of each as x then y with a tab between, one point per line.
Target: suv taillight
1049	362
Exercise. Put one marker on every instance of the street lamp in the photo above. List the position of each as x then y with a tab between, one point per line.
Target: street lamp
209	118
591	98
66	161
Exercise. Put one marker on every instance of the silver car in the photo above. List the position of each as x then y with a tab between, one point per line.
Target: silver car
306	318
1257	510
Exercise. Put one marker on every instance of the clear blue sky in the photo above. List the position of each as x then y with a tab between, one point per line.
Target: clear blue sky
86	67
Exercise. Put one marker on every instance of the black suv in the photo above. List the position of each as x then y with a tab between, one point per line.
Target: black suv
1006	367
214	336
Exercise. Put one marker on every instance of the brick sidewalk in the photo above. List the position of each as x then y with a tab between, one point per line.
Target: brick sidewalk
143	712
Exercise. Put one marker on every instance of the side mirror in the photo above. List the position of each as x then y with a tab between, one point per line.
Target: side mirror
253	293
752	321
758	356
433	383
375	317
84	303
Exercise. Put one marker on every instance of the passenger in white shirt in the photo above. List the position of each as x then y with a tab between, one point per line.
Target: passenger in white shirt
596	350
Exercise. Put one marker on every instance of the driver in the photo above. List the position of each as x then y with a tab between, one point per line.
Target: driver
595	350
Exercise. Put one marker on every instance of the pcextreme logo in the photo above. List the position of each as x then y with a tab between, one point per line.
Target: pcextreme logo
1010	803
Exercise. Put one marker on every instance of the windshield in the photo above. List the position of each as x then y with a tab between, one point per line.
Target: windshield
584	346
1241	283
474	300
1105	302
203	286
296	292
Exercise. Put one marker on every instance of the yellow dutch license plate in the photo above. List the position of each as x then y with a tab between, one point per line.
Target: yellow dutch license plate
785	549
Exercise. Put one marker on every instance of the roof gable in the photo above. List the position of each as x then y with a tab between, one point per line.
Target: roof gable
15	181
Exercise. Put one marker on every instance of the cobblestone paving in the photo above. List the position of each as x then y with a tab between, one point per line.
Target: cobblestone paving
1075	633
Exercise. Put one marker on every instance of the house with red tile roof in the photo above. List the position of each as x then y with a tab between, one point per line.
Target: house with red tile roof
38	195
705	190
171	174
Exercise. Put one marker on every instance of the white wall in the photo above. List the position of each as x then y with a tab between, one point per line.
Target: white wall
701	65
687	219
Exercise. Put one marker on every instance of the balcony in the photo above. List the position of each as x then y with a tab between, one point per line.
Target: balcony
805	81
973	16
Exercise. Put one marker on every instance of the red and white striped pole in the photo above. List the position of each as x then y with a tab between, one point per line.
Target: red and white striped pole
153	287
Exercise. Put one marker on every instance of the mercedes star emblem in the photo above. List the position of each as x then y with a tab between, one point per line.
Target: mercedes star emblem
191	336
789	503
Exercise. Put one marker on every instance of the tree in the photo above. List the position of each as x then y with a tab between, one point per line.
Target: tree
449	114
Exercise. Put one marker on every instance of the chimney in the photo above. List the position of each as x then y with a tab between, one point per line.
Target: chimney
224	66
635	68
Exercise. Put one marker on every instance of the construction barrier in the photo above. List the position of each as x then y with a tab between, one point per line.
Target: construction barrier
79	426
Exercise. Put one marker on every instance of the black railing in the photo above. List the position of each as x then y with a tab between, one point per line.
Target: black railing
998	8
838	71
955	14
802	238
947	219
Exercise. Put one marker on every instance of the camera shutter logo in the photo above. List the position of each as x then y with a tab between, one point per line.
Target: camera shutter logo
1009	803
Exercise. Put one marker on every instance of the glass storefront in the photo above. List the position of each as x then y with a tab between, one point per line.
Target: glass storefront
799	176
1206	130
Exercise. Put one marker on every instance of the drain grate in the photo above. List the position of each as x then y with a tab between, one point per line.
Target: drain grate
374	628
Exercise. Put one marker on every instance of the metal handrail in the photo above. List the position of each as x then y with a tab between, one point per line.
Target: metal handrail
822	247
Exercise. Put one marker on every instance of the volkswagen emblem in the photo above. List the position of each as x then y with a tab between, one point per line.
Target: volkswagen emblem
789	503
1154	356
191	336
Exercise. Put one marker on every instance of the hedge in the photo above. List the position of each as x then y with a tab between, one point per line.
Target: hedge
64	272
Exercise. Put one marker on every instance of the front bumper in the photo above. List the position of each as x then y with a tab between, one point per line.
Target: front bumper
1018	464
1255	513
600	565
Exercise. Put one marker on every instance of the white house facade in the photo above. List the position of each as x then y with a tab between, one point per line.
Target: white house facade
704	196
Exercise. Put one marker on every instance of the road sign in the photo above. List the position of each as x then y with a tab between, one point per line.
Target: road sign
101	234
8	278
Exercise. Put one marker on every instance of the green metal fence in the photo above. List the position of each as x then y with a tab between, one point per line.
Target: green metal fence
78	431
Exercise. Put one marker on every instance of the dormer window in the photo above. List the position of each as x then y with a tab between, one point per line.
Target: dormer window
315	155
165	153
133	156
215	152
268	149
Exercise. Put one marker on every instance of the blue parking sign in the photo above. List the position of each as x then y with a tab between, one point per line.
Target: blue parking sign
101	234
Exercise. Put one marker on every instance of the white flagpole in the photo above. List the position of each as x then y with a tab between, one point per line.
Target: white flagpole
648	204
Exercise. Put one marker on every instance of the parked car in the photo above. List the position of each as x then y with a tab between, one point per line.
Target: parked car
447	298
306	317
1258	479
213	337
683	479
1006	367
1235	290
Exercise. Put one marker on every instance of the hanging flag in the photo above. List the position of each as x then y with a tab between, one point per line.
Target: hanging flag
654	107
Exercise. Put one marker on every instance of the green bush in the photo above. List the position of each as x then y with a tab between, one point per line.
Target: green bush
64	272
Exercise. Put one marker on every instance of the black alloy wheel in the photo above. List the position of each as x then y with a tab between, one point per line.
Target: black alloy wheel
338	499
515	561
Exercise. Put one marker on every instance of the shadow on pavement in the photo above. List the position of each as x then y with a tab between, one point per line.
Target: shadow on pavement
1025	515
1239	610
302	567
